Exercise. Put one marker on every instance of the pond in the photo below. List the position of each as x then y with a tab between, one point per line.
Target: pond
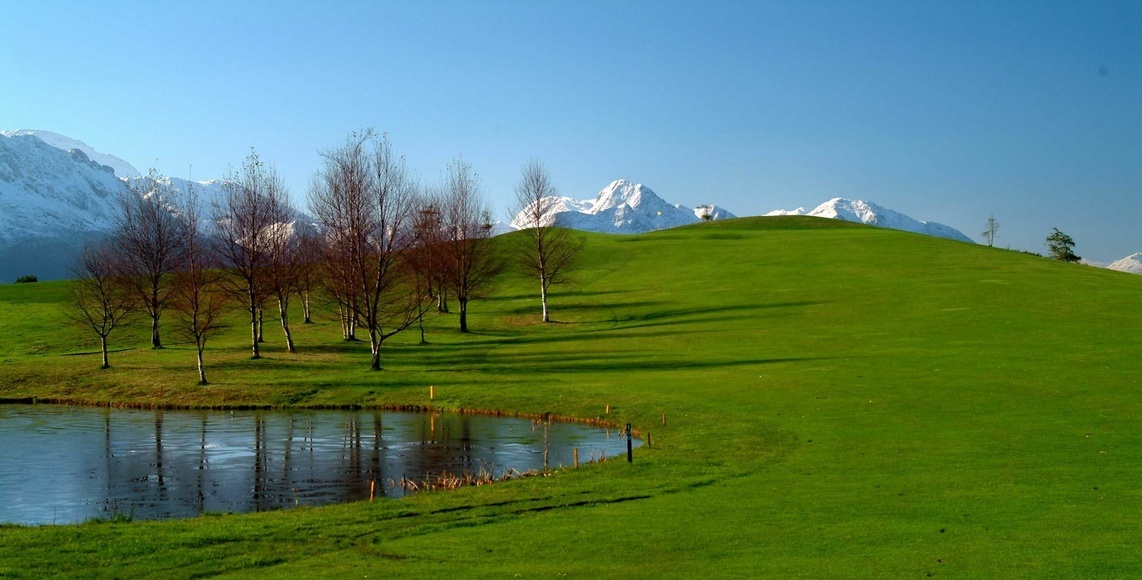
61	464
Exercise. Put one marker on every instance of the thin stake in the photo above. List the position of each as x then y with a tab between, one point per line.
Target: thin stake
608	410
648	439
372	488
664	419
576	458
630	447
432	393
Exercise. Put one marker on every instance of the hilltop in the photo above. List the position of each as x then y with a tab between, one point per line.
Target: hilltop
855	210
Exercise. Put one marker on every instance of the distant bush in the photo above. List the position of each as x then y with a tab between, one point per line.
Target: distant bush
26	279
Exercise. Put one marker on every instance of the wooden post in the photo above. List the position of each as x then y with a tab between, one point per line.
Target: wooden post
648	439
608	410
432	393
372	488
576	458
664	419
630	447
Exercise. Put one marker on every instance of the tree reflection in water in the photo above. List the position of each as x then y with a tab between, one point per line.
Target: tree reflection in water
172	464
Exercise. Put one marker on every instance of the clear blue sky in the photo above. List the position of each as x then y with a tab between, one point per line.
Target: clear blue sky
946	111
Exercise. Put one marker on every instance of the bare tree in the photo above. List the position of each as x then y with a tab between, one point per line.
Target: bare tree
547	252
198	293
427	259
308	259
338	205
282	271
363	200
472	263
101	297
991	230
149	241
430	258
249	219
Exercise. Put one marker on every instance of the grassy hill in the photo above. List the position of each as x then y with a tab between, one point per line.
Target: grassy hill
841	401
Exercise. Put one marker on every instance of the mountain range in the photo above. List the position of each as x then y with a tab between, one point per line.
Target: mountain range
622	207
54	201
855	210
626	207
57	194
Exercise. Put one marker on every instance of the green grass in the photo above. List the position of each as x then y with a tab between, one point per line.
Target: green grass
841	401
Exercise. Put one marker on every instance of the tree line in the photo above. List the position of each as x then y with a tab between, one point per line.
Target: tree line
382	247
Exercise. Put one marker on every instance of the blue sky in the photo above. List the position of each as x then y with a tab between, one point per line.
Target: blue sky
945	111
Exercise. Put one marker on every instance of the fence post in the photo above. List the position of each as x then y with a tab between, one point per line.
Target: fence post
630	447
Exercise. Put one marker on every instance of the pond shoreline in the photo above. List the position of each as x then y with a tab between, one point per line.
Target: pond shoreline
407	407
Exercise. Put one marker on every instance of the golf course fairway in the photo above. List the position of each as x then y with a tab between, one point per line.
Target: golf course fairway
839	400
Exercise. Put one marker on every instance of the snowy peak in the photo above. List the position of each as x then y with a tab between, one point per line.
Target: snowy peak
619	193
855	210
120	167
622	207
1131	263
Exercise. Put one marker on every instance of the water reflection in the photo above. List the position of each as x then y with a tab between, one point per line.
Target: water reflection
56	468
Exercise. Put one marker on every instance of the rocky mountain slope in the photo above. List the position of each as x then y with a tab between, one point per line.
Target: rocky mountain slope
51	202
121	168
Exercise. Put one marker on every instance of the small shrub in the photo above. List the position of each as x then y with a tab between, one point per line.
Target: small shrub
113	514
27	279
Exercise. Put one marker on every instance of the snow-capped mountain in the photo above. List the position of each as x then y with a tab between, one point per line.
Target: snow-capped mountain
45	191
623	207
855	210
53	201
1131	263
121	168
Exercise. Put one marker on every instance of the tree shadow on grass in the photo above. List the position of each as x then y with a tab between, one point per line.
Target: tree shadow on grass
581	361
690	316
581	307
681	318
481	351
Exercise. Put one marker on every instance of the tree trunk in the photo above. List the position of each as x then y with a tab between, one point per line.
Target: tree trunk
201	369
155	341
261	327
348	323
375	346
254	329
543	297
305	307
103	347
342	313
285	326
463	315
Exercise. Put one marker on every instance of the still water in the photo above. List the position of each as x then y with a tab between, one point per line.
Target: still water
62	464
